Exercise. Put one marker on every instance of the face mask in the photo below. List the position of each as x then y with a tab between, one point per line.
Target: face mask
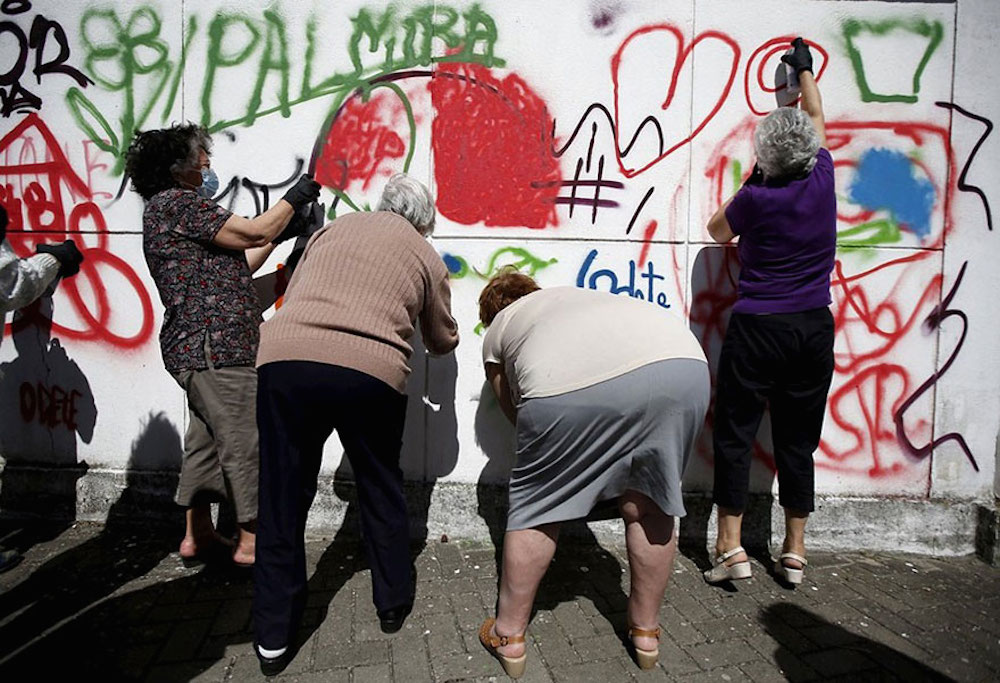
209	183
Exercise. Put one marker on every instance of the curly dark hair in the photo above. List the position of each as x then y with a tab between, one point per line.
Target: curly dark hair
503	289
154	156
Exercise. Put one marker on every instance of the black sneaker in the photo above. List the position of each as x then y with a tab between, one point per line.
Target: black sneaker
392	620
272	666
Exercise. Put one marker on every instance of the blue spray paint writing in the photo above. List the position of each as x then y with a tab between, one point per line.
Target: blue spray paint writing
644	291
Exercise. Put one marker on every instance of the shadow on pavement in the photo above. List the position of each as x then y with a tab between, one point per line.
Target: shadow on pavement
843	655
63	595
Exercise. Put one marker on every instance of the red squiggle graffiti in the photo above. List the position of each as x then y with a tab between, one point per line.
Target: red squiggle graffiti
41	183
361	138
683	52
877	310
771	48
647	236
491	141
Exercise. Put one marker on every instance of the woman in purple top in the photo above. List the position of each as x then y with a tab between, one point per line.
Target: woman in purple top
778	349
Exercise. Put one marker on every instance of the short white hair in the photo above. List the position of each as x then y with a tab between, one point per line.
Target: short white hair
786	143
409	198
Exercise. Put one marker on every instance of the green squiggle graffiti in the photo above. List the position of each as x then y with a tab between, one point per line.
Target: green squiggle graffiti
115	55
515	257
932	30
872	233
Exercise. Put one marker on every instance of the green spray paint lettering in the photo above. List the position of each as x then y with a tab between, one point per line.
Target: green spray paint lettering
217	57
273	58
431	22
130	56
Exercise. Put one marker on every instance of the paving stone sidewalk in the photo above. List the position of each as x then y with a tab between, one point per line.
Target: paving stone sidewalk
105	604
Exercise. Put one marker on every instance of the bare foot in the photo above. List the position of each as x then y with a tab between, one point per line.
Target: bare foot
246	548
244	556
192	546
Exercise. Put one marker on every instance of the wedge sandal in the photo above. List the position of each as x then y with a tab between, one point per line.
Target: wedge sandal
646	659
721	572
512	666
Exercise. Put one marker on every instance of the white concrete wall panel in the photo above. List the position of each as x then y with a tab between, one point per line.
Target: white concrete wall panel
585	142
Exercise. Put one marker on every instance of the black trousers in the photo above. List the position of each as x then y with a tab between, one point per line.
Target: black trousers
299	403
784	361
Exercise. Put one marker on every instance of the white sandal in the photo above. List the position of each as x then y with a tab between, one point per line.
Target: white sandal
721	572
792	575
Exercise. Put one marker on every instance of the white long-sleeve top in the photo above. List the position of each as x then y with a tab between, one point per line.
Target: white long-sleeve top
22	280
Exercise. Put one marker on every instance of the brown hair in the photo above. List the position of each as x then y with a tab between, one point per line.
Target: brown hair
503	289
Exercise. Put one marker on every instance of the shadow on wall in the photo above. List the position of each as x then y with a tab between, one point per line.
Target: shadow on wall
127	548
430	440
151	476
496	438
714	276
45	403
844	655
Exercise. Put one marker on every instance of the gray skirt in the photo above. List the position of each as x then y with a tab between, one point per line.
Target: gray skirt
635	432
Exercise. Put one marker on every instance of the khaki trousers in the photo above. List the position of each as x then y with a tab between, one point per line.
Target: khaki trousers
220	445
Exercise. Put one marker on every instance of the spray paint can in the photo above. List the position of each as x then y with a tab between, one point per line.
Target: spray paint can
786	84
791	79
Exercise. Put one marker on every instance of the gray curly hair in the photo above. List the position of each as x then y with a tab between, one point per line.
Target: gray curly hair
786	143
407	197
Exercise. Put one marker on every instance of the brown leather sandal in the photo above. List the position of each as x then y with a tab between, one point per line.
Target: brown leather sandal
512	666
646	659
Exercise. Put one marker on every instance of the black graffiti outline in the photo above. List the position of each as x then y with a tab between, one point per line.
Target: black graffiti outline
15	6
232	189
642	203
614	131
13	95
962	185
933	321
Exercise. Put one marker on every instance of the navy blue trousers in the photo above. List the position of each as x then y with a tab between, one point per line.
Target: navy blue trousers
299	404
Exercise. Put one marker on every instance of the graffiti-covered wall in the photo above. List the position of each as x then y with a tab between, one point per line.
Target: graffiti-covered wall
585	141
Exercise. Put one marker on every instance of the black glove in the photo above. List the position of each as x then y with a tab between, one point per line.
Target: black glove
67	254
306	221
801	58
756	176
304	190
3	223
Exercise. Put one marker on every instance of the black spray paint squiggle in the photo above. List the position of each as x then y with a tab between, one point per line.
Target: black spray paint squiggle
962	185
933	321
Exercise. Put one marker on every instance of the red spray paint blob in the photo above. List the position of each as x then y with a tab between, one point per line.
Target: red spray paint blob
491	141
361	139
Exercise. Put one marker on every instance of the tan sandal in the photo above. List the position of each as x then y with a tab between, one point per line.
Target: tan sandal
646	659
512	666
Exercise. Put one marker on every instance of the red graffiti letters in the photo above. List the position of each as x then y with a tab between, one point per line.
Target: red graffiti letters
51	405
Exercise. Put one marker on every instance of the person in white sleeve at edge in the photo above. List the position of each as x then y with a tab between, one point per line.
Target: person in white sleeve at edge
23	281
607	394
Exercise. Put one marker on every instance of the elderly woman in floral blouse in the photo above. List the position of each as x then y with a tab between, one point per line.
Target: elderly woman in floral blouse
201	257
